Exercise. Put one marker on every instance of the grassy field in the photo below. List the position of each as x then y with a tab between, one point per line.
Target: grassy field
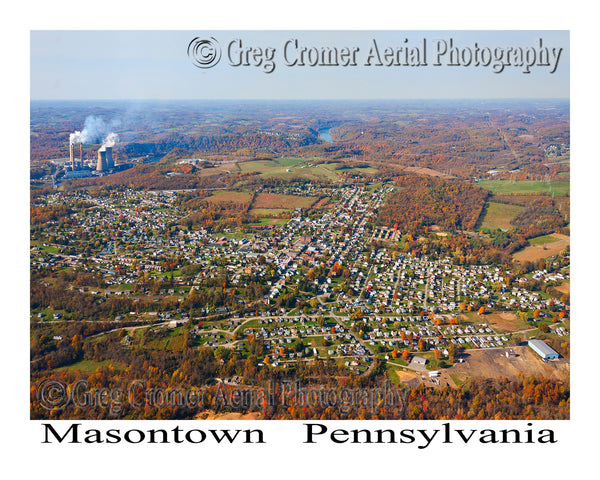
288	167
48	249
89	366
394	378
268	212
341	167
270	221
542	240
557	187
499	215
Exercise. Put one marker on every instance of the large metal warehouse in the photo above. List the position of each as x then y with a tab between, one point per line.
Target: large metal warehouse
543	350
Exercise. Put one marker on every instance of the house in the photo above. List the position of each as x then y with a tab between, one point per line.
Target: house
419	360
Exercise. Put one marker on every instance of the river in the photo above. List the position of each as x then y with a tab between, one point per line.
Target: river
324	135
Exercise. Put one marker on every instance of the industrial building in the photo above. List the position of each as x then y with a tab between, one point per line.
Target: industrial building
73	163
543	350
101	166
105	159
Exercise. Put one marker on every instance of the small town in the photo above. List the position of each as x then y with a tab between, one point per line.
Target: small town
319	284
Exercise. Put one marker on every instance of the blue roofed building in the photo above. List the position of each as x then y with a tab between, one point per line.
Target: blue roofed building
543	350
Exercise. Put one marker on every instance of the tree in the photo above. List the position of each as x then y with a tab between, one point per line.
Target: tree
394	353
437	354
451	353
536	313
481	310
405	355
222	353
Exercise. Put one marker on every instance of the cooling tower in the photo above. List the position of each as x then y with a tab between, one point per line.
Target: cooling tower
109	159
101	165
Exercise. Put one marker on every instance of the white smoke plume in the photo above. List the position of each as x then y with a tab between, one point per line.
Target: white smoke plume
96	130
110	140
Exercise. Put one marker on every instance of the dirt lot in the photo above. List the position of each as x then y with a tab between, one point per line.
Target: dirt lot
564	287
505	322
533	253
408	378
492	363
413	379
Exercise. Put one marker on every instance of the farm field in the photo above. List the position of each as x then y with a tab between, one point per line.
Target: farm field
227	196
557	187
268	212
499	215
286	168
538	251
279	201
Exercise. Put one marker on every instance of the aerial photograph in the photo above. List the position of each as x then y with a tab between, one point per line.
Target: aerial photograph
299	225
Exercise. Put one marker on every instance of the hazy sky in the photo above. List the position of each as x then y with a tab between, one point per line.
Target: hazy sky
155	65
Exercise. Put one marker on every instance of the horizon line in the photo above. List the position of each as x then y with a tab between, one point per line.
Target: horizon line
287	99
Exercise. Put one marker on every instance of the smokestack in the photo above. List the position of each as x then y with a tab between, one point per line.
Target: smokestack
80	156
71	154
109	159
101	165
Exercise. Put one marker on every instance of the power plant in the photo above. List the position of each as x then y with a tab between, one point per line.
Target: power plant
101	166
95	131
105	159
109	157
73	164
